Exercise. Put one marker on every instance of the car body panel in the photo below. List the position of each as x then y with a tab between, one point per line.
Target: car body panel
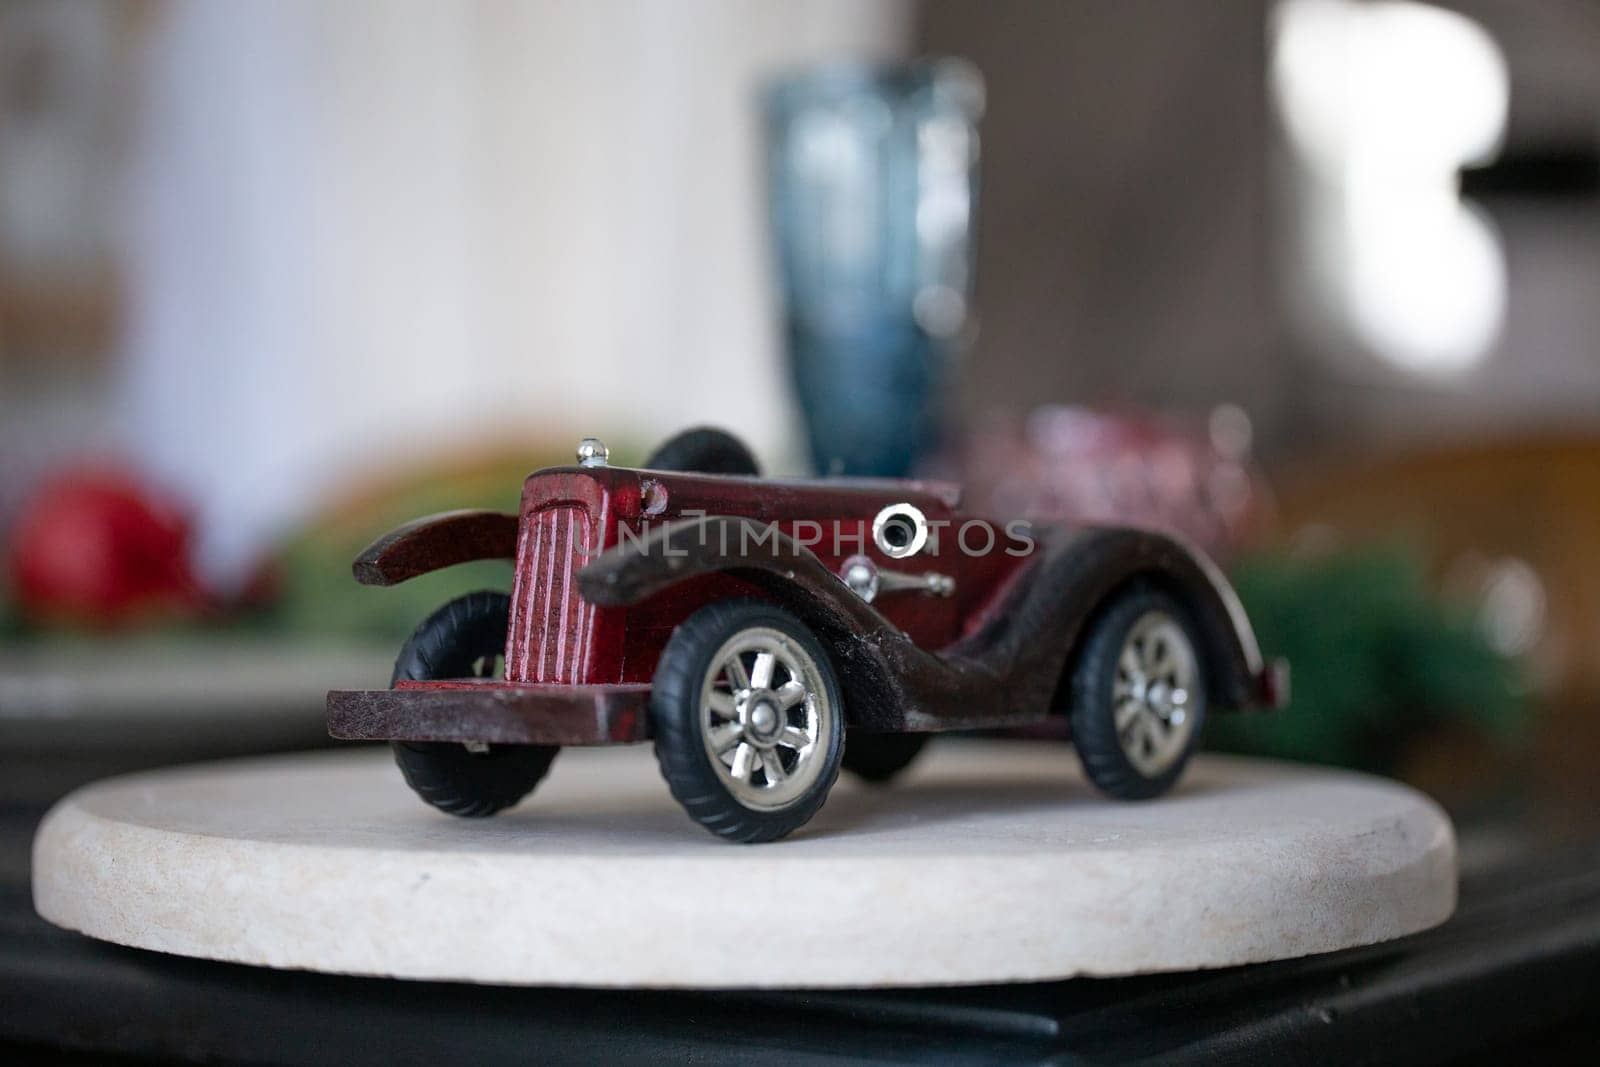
1007	671
570	515
610	560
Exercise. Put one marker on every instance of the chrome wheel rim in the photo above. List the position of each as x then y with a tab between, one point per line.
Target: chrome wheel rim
1153	697
488	665
766	718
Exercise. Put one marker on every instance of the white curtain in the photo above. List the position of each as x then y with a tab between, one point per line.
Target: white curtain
366	231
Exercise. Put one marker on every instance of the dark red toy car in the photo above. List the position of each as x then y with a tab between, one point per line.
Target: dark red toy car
764	633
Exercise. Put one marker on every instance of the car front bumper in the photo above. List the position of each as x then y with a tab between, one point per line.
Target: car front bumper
492	712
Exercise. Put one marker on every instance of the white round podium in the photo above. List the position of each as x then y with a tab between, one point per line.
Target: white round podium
987	862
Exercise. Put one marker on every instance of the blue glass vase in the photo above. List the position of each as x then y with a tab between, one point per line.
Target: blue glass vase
873	175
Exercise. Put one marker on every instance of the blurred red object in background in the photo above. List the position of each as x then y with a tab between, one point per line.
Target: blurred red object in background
1191	476
96	547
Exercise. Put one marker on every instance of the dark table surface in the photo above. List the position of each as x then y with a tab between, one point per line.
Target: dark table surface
1515	973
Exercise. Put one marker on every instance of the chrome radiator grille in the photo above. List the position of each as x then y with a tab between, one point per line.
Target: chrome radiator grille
550	622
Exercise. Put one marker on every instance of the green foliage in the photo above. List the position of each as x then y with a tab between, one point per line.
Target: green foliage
319	596
1375	658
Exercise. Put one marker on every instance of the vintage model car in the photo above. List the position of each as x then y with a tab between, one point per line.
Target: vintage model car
763	633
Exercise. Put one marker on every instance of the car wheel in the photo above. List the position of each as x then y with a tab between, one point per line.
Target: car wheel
879	757
748	720
1138	695
703	450
464	639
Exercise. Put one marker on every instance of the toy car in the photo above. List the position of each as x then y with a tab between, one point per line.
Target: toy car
763	633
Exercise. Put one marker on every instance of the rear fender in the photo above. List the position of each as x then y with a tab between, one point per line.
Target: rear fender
1096	564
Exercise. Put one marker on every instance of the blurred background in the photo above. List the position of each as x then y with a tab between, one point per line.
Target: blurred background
1312	281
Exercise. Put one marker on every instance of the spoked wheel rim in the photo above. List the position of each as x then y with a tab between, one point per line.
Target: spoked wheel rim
489	665
1154	693
766	718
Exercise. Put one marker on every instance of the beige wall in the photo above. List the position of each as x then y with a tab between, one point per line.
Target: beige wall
1138	242
1124	252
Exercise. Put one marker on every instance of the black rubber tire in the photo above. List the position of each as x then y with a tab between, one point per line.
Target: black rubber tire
472	785
704	450
877	758
675	722
450	643
1093	722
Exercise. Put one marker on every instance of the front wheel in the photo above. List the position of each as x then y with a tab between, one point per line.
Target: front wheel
748	720
1138	695
465	639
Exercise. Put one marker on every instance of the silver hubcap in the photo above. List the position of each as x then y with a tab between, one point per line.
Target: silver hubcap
766	718
489	665
1153	694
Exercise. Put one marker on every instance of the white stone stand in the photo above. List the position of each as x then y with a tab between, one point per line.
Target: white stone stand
987	862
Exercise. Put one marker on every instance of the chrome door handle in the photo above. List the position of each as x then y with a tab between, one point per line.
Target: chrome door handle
930	582
869	581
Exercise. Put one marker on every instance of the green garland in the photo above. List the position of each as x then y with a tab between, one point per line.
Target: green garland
1376	658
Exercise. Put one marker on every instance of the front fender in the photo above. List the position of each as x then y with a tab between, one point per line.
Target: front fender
875	659
434	542
641	567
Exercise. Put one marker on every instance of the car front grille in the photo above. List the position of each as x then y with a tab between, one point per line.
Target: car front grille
550	622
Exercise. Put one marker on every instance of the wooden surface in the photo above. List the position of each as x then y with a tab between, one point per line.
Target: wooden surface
1485	515
991	862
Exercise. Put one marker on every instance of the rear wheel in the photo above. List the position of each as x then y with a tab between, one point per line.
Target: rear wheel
748	720
879	757
703	450
465	639
1138	695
